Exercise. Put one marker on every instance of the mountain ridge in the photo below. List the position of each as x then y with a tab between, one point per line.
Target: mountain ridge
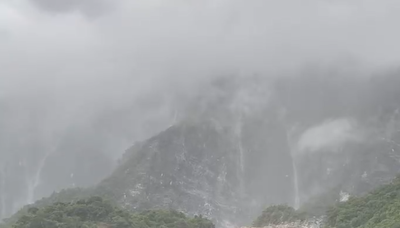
244	146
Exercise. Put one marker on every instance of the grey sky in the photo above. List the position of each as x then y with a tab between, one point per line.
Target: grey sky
133	50
91	8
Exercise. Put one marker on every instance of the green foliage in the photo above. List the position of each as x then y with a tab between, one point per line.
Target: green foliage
318	205
379	209
65	196
95	212
279	214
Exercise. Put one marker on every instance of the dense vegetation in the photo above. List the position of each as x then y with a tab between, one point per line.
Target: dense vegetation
75	208
64	196
378	209
95	212
318	205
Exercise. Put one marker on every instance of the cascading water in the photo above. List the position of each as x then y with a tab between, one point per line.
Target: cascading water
295	171
34	183
241	155
296	185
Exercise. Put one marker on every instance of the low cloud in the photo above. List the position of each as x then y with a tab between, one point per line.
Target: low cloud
137	57
329	135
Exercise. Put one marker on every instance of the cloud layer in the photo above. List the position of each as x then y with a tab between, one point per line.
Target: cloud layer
79	58
329	135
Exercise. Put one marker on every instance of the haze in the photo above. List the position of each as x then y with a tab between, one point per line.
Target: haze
108	73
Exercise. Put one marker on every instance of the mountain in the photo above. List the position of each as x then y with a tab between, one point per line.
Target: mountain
241	144
197	169
253	144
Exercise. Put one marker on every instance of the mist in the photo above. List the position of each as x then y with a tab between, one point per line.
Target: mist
79	64
330	135
78	76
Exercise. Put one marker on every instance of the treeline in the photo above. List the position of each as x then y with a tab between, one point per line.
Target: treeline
95	212
378	209
72	209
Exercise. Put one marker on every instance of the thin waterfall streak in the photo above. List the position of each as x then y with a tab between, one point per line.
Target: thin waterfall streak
241	163
241	152
175	119
241	155
33	185
36	179
296	186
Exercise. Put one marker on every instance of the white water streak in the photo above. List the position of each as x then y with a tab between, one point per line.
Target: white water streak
241	155
295	172
35	182
296	185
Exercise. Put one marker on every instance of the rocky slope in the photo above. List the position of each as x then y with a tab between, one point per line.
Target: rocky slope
251	145
242	144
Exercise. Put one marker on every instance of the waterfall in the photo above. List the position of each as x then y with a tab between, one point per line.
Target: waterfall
241	154
238	131
175	119
241	165
34	183
294	167
296	185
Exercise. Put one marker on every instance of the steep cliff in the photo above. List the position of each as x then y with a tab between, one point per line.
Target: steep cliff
242	144
302	138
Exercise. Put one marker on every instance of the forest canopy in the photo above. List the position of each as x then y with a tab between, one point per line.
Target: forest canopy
95	212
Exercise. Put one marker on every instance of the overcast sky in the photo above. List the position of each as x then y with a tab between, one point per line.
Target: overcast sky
58	42
81	56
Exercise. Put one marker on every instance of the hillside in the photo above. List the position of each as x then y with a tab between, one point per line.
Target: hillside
246	143
243	144
378	209
96	212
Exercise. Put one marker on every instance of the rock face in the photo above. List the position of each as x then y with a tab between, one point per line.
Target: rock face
190	167
355	168
198	168
244	144
228	158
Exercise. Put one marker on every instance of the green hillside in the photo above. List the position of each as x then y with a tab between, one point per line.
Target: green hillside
95	212
378	209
